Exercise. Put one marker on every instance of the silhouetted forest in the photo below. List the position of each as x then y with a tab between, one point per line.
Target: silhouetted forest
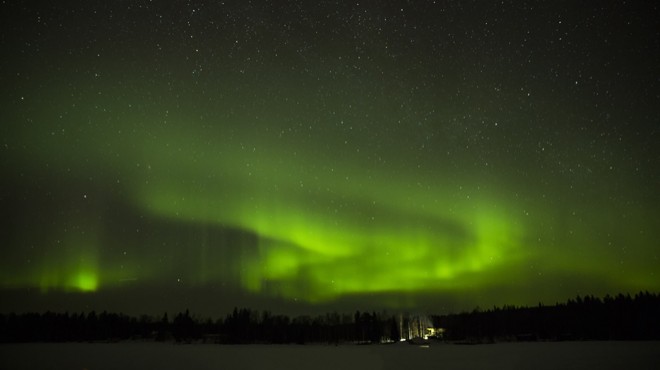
242	326
584	318
589	318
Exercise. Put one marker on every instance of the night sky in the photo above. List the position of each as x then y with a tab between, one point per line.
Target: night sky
300	156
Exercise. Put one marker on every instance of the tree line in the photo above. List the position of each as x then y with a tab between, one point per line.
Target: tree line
621	317
242	326
584	318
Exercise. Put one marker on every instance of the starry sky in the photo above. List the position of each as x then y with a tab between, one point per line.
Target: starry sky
314	155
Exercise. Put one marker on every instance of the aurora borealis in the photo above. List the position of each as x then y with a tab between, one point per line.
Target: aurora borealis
405	155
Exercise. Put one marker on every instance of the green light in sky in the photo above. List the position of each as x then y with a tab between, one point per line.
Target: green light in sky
324	225
85	281
280	164
312	250
77	268
82	279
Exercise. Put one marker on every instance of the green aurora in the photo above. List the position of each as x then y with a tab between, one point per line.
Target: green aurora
314	170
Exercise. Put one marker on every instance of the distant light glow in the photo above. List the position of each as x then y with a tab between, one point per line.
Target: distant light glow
85	282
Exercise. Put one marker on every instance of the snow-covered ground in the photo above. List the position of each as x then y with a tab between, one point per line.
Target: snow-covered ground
564	355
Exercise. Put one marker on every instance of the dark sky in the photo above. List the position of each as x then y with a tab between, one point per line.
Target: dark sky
301	156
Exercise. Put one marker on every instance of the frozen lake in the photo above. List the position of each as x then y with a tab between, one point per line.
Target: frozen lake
562	355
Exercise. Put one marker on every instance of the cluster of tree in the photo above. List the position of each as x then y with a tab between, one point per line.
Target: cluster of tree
584	318
242	326
64	327
247	326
